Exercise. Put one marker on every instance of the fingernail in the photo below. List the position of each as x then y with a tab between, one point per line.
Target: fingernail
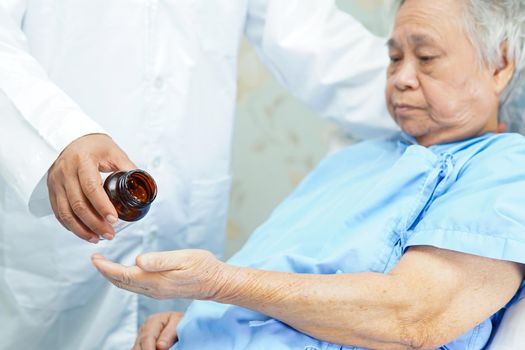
111	219
108	236
162	343
93	240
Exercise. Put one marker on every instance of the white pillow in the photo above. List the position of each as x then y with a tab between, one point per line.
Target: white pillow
511	332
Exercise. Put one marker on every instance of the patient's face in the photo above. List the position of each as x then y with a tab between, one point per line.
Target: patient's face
436	91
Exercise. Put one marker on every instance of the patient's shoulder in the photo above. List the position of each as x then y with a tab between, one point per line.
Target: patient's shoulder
496	156
477	206
489	171
509	141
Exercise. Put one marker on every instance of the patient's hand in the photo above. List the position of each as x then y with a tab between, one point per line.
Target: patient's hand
189	274
159	331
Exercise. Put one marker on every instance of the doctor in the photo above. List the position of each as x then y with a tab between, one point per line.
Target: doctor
97	85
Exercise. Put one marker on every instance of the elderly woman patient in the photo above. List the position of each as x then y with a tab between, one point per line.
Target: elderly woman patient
413	242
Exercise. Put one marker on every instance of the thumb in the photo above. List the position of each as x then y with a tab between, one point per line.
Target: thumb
160	261
120	162
115	159
124	163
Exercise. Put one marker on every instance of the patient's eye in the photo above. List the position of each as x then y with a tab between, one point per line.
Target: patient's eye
395	58
427	59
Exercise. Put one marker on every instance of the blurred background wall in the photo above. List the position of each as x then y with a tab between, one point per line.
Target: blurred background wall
277	140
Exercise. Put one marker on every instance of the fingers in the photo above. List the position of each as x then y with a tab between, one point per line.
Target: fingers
84	211
168	335
114	271
130	278
116	160
67	218
148	336
123	163
137	345
150	331
74	178
92	188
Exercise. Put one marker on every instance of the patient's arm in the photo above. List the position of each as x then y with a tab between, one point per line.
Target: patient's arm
430	298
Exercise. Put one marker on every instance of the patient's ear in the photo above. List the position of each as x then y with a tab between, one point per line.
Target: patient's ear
504	73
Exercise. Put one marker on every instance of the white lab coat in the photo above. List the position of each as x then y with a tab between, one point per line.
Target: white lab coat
159	76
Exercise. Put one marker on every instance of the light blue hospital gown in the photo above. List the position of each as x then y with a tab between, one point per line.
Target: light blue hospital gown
360	210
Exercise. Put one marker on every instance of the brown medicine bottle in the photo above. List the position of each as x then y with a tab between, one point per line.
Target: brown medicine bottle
131	193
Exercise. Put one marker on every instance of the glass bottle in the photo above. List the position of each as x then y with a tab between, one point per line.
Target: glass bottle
132	193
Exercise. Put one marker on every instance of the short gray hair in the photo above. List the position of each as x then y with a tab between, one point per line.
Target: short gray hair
491	24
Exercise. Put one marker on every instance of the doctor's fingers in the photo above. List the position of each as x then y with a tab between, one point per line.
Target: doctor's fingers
92	188
83	210
64	214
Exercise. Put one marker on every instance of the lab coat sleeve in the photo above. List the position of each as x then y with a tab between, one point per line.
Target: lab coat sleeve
38	119
326	58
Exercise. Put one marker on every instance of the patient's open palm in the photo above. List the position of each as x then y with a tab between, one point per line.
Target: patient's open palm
192	274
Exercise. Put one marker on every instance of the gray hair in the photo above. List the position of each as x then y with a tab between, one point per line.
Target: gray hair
492	25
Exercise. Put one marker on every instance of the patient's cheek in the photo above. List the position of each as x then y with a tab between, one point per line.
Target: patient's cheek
467	107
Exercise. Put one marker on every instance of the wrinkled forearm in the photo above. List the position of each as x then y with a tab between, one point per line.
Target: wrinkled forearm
366	309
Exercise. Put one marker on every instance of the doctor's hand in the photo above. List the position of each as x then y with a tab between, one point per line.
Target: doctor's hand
189	274
159	331
76	194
